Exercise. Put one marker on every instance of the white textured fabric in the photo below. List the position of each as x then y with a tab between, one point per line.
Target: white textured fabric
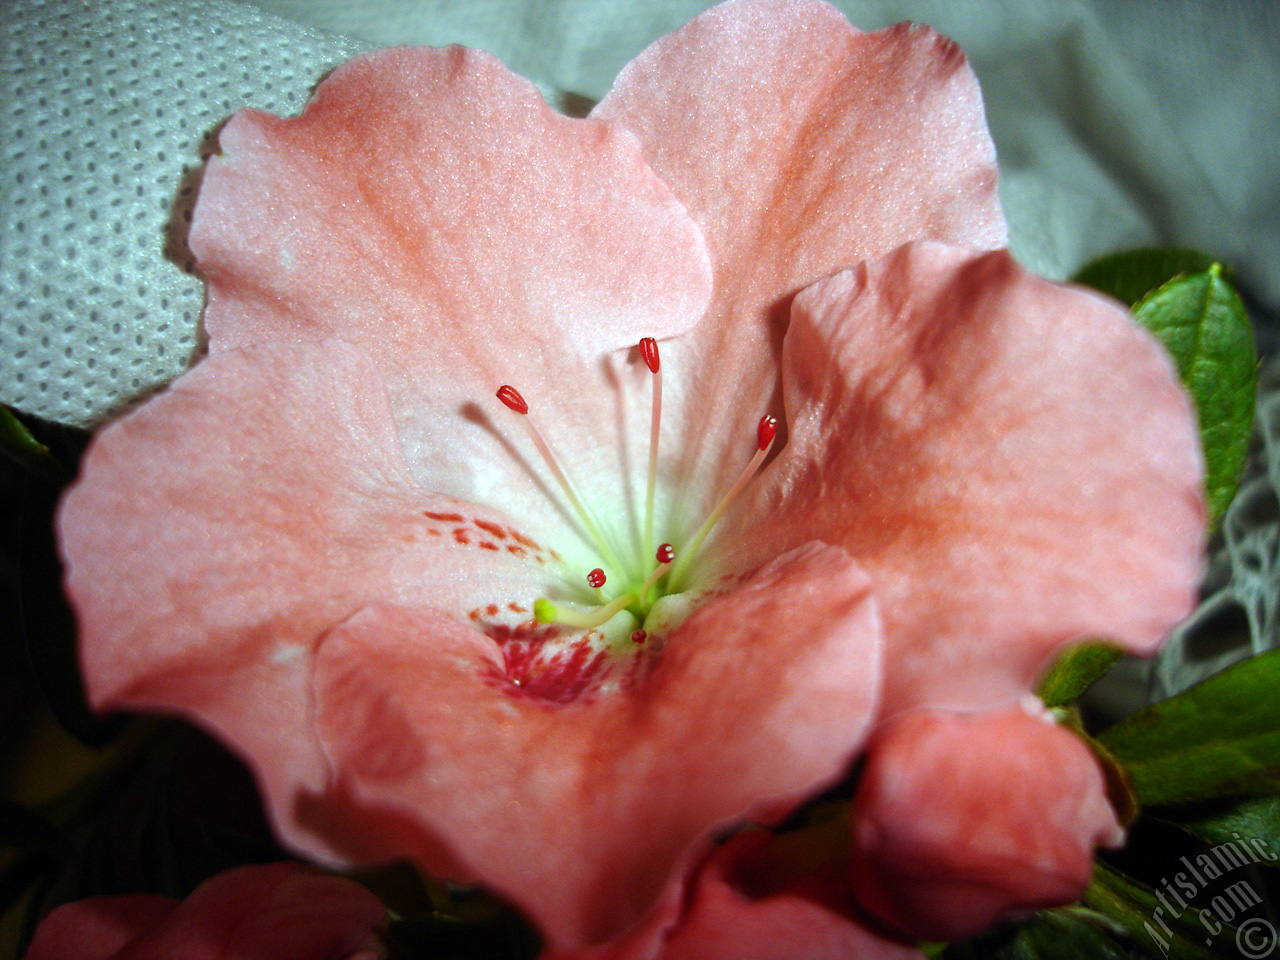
107	111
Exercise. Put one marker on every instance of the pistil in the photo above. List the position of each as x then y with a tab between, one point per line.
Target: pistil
544	611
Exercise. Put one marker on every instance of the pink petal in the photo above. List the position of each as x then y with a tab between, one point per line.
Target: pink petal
963	820
430	207
582	812
643	942
1013	460
747	901
801	146
220	530
804	919
281	911
97	928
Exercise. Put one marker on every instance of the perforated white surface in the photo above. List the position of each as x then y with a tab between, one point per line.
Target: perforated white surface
106	110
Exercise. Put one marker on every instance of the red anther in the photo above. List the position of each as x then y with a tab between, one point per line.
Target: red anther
767	430
666	553
511	397
649	350
595	578
639	636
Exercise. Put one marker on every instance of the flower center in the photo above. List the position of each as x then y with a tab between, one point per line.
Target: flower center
634	592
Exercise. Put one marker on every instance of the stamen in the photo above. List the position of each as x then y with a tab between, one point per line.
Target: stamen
637	600
512	399
649	351
766	430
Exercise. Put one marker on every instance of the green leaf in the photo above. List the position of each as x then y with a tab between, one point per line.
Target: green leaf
1219	738
1189	301
1255	820
1075	670
1131	275
20	446
1064	934
1156	928
1205	326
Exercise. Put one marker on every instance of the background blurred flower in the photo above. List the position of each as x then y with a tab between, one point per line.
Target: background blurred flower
281	911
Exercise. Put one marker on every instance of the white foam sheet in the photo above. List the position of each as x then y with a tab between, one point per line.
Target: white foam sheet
106	112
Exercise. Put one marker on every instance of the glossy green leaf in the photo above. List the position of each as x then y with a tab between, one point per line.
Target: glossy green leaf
1064	934
20	446
1157	930
1189	301
1075	671
1131	275
1219	738
1255	820
1201	320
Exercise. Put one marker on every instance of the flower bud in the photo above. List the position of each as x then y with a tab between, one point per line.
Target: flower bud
962	820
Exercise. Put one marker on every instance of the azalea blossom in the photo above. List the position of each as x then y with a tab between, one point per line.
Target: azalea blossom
278	911
558	492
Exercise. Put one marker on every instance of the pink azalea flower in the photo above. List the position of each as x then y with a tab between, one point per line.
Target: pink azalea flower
281	911
328	542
